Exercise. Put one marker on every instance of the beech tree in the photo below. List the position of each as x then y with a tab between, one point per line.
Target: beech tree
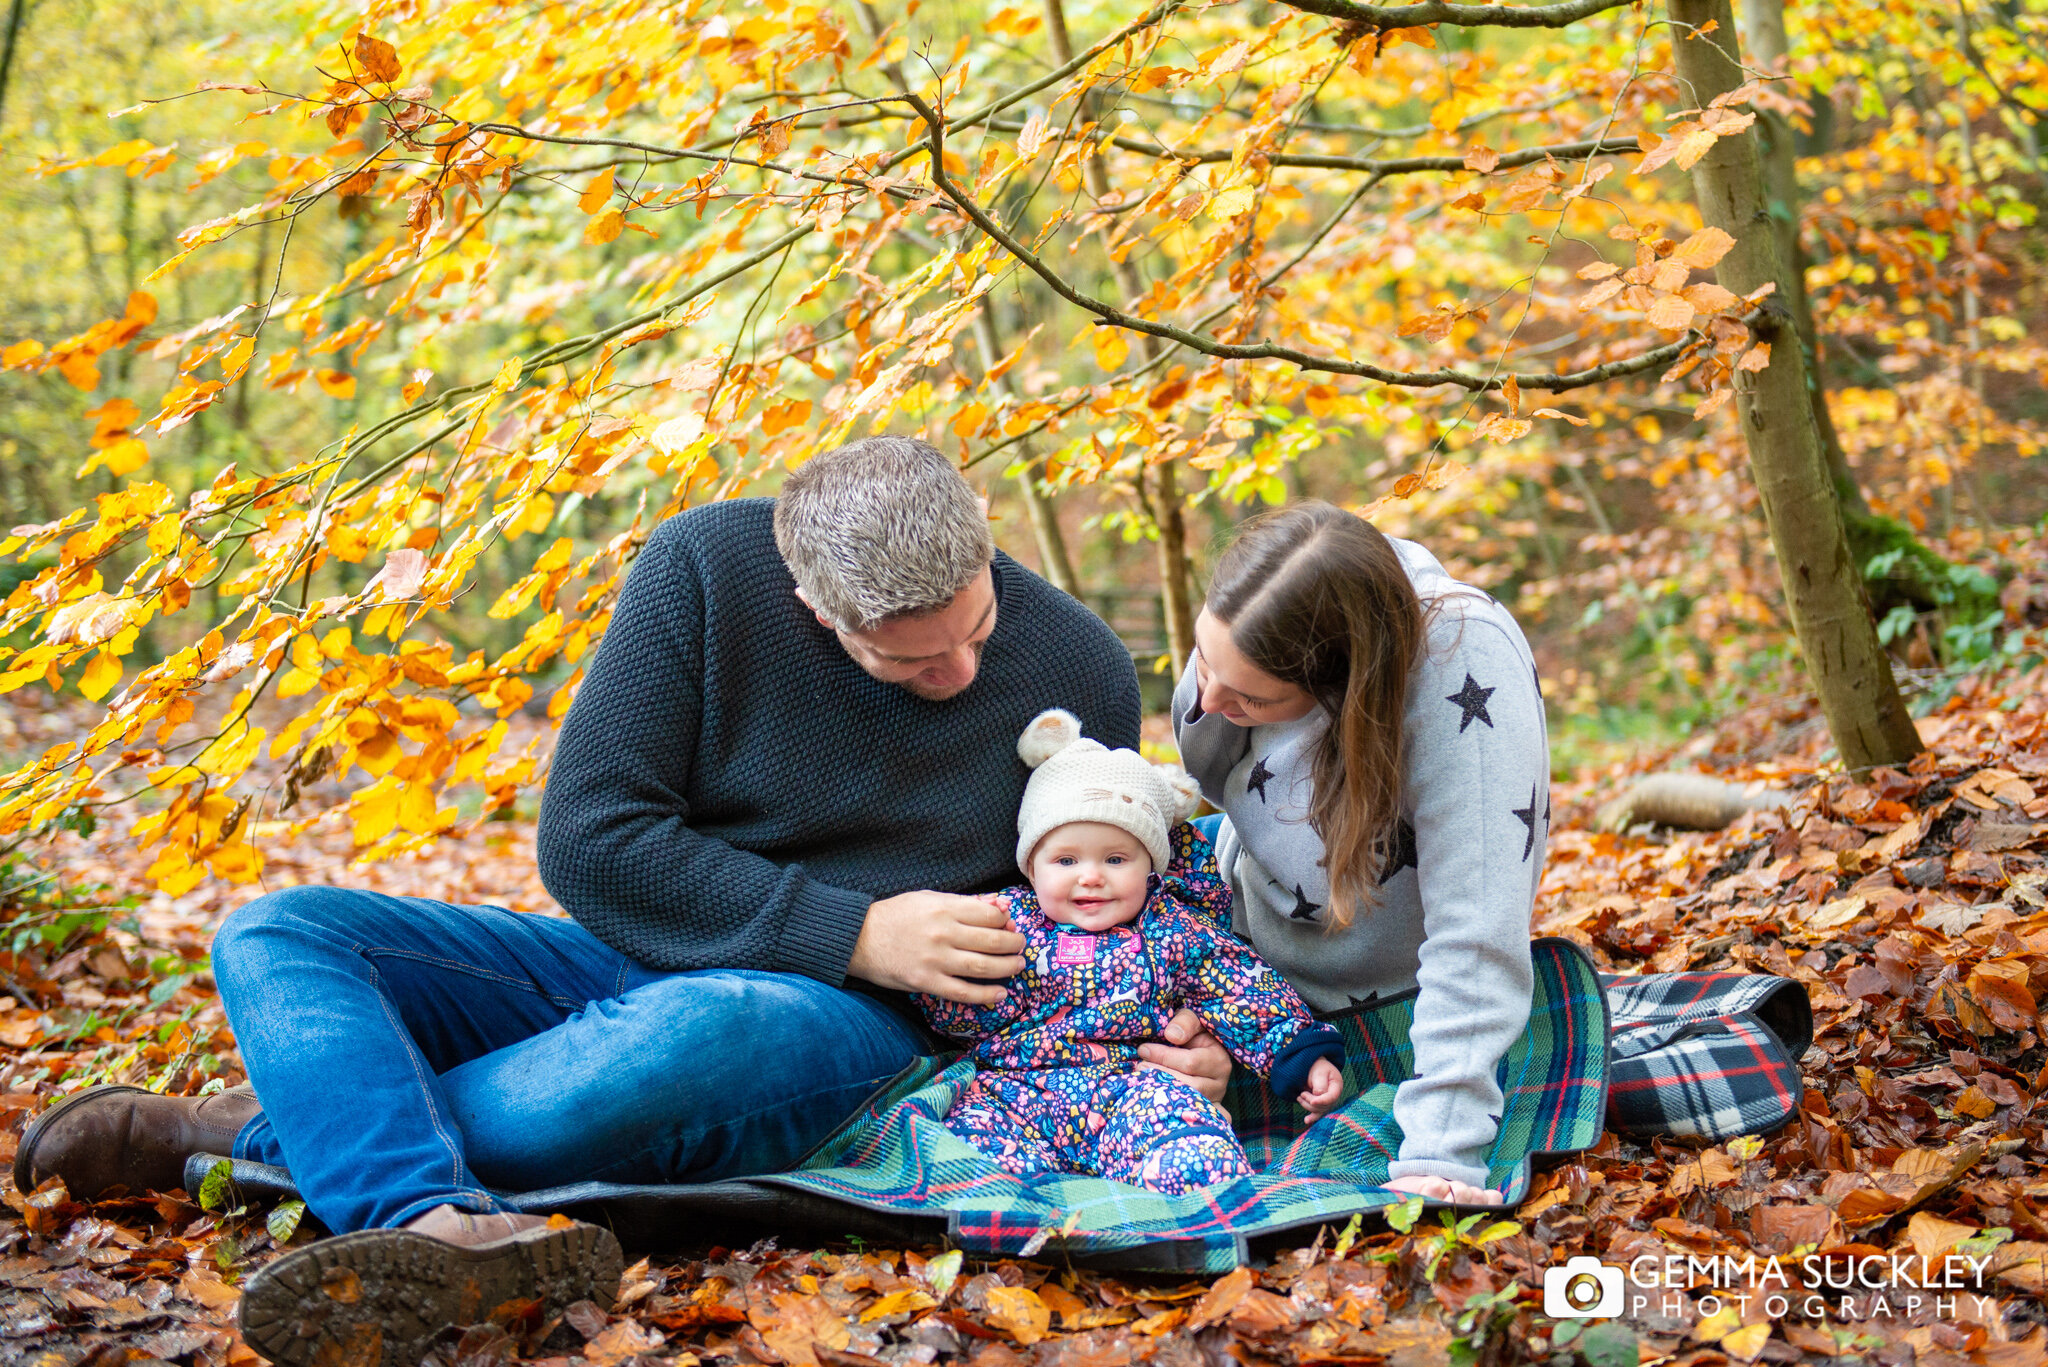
539	276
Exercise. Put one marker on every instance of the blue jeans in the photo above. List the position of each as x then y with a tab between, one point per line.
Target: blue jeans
411	1053
1208	825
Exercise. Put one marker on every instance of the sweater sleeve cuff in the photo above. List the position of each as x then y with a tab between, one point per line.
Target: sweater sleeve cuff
1291	1068
1432	1167
822	929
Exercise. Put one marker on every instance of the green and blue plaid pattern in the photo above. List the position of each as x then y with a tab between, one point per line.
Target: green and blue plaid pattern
897	1156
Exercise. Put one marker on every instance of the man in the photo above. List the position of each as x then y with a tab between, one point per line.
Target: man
800	723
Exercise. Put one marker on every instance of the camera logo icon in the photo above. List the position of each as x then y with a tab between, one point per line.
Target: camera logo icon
1584	1288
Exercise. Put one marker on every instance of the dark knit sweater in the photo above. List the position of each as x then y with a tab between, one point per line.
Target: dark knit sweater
730	790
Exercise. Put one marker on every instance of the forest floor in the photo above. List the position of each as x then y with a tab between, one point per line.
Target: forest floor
1913	905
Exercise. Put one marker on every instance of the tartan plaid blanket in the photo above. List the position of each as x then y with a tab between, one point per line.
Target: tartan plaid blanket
1714	1055
897	1156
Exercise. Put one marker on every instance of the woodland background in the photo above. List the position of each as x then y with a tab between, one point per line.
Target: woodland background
349	351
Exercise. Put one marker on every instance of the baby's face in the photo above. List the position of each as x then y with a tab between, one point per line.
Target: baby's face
1090	874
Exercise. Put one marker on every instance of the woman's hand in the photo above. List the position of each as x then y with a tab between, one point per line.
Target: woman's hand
1325	1085
1191	1054
1445	1189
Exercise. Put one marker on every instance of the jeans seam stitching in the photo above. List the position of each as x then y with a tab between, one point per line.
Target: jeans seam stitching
419	1078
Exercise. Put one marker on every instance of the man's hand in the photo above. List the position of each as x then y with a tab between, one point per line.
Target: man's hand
1191	1054
935	942
1445	1189
1325	1085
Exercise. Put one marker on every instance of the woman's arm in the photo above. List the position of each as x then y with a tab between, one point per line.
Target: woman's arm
1477	777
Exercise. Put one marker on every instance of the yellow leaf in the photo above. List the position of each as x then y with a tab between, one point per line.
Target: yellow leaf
1110	347
1746	1342
555	557
20	354
375	810
238	863
121	153
1019	1312
100	676
1232	202
123	456
508	375
906	1301
237	359
600	192
604	228
338	384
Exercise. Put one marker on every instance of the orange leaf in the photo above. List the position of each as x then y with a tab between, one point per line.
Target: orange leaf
1481	158
599	193
1572	418
379	58
1671	313
1703	248
1757	357
605	228
339	384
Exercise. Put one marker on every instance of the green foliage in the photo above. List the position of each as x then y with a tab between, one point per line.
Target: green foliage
218	1188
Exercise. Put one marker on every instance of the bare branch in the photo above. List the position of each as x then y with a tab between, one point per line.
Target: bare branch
1464	16
1377	166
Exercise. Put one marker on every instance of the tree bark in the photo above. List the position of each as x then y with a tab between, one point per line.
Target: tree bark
1038	509
1764	29
1823	588
1165	505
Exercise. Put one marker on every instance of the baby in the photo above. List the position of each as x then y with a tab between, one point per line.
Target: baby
1122	928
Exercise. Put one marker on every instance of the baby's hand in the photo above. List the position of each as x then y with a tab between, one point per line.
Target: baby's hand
1325	1085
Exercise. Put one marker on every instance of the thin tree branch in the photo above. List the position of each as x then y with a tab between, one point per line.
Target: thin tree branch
1464	16
934	145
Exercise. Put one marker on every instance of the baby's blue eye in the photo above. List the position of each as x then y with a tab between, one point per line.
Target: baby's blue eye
1118	859
1065	861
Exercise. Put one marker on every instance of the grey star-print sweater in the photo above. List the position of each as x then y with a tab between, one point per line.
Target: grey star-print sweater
1456	883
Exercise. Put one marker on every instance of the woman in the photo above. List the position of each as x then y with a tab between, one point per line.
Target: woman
1373	732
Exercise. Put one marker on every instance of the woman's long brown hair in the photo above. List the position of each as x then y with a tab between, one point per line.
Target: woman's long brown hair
1317	597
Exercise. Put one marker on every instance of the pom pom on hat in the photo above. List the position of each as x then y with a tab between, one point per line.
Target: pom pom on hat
1076	779
1052	731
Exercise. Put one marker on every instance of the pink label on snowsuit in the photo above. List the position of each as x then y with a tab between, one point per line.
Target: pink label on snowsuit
1074	949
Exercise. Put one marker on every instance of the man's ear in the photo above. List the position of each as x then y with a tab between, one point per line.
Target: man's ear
814	612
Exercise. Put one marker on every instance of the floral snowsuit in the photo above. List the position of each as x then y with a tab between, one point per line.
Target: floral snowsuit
1057	1086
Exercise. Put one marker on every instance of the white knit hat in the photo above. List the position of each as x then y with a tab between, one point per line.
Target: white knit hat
1082	780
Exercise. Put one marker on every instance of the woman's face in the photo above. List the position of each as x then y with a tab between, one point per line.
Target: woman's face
1236	688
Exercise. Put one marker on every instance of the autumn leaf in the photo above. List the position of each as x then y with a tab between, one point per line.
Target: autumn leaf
1481	158
604	228
1501	427
1111	347
598	193
1756	358
1704	249
1019	1312
1671	312
378	58
336	384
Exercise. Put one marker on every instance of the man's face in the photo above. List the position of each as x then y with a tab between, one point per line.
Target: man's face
935	655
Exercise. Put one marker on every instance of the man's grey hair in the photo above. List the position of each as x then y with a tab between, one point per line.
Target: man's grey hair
880	528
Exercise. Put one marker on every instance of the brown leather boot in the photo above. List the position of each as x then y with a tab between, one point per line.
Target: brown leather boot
107	1137
379	1297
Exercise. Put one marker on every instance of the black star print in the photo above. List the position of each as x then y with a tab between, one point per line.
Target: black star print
1496	1121
1527	815
1472	699
1403	854
1368	999
1256	780
1304	910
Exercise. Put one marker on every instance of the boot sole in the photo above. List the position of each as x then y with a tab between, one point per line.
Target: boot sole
379	1297
24	1158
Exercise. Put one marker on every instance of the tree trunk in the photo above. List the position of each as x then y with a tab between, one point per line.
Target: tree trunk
1038	510
1165	506
1823	588
1764	28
